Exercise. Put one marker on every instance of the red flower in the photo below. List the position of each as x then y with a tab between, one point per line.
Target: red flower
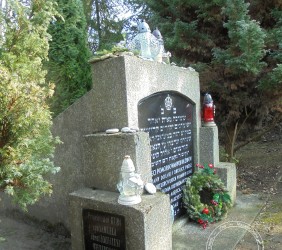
210	165
200	221
214	171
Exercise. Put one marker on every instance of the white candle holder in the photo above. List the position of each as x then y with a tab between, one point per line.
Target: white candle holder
130	185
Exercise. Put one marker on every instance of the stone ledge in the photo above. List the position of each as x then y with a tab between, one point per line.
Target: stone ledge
147	224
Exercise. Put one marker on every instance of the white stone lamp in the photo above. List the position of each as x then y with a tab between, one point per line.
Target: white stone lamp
130	185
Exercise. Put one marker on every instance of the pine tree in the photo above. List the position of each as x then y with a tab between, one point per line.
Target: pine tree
236	47
26	142
105	23
68	66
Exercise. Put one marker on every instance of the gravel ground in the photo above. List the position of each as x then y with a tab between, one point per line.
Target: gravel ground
260	172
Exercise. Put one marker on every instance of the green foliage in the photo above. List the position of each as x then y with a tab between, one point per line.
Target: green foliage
26	142
272	81
246	47
115	50
224	157
68	65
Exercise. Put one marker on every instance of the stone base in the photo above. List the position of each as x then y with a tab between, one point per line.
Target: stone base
209	124
147	225
129	200
227	172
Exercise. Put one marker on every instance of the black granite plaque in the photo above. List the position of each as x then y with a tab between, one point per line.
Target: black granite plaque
168	118
103	231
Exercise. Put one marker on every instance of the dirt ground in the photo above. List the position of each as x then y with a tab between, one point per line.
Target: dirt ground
260	171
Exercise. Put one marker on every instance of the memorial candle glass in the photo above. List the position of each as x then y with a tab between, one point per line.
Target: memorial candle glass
208	111
130	185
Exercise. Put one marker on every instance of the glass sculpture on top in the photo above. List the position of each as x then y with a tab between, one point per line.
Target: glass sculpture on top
145	43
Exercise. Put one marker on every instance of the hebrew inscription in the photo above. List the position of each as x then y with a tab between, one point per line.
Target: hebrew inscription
103	231
168	118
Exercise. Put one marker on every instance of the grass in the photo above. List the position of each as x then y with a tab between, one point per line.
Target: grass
273	218
2	239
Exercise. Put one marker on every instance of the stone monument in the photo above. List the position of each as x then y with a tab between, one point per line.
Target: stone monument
132	92
164	102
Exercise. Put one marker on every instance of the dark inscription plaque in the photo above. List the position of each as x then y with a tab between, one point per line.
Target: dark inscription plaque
103	231
168	118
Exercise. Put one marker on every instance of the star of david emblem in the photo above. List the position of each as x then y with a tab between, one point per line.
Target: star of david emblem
168	103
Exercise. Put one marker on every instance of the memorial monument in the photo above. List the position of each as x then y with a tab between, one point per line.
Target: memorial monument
163	101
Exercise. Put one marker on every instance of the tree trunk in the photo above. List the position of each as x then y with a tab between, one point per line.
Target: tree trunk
271	126
99	30
230	138
231	133
88	6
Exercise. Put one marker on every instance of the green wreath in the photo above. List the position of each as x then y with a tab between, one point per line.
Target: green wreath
205	196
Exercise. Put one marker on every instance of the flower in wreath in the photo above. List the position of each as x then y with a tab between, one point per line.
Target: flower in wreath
205	196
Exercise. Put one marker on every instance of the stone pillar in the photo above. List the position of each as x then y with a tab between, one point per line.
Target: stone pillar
209	153
209	148
147	225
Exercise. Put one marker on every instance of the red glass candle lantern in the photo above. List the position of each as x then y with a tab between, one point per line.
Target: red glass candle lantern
208	111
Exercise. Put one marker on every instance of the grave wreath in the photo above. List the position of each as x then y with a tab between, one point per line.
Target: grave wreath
205	196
